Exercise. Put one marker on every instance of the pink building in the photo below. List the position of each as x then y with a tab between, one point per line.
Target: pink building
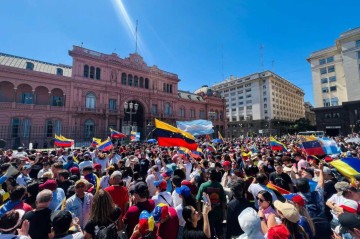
39	99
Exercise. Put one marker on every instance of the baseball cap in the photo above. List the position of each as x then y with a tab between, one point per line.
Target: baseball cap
309	171
81	181
161	184
288	211
61	221
146	222
49	184
295	198
97	166
160	212
26	166
74	170
327	170
348	221
183	191
226	164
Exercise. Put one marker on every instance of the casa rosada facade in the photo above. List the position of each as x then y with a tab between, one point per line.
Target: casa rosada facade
39	99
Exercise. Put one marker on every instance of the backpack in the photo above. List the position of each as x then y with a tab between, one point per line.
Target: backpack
312	206
109	232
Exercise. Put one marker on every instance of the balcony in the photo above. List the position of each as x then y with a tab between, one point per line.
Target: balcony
84	110
22	106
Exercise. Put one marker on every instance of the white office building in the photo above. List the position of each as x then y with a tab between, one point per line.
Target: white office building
336	71
261	98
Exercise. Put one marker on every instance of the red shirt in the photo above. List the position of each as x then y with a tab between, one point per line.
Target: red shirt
119	195
169	229
24	206
131	217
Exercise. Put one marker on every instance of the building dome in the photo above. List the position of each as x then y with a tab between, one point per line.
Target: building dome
204	89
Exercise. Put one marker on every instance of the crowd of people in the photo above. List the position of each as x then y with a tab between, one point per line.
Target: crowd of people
239	188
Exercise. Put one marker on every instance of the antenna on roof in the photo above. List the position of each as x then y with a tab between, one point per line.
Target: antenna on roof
136	37
222	61
262	57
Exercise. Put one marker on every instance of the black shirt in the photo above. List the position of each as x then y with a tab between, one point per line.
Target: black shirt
194	233
282	180
93	227
65	185
234	208
40	223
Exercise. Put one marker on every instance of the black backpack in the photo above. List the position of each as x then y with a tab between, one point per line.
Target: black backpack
111	232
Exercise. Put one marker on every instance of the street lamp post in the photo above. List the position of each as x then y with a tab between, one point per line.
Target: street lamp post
352	126
131	109
211	116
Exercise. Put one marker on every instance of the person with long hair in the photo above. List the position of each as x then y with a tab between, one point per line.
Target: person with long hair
193	228
187	200
266	213
103	212
305	219
290	217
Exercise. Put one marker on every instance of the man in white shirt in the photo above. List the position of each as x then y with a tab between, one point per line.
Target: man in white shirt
154	175
162	195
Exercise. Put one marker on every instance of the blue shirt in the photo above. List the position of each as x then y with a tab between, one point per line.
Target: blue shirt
58	196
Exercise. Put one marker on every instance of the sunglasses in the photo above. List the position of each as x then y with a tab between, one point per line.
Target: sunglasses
260	199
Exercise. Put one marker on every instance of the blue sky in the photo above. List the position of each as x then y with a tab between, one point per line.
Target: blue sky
202	41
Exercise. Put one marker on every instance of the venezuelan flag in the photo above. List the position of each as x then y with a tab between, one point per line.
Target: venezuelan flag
347	166
197	154
168	135
95	141
211	148
183	152
105	145
61	141
276	145
313	147
116	135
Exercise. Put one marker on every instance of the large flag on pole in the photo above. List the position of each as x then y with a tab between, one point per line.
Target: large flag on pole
276	145
168	135
116	135
61	141
106	145
313	148
329	146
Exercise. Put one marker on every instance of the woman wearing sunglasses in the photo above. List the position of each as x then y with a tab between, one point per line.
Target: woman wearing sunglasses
266	213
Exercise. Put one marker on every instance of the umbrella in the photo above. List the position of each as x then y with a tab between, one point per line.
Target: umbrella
353	140
151	141
217	141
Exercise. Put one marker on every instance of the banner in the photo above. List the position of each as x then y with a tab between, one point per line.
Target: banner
196	127
135	136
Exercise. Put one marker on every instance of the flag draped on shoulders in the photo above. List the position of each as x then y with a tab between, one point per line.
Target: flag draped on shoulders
168	135
276	145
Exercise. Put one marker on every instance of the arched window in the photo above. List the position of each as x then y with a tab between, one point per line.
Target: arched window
92	72
49	128
130	78
141	82
26	128
15	126
89	128
167	109
86	71
216	115
136	81
182	112
58	127
90	101
98	72
146	83
123	79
